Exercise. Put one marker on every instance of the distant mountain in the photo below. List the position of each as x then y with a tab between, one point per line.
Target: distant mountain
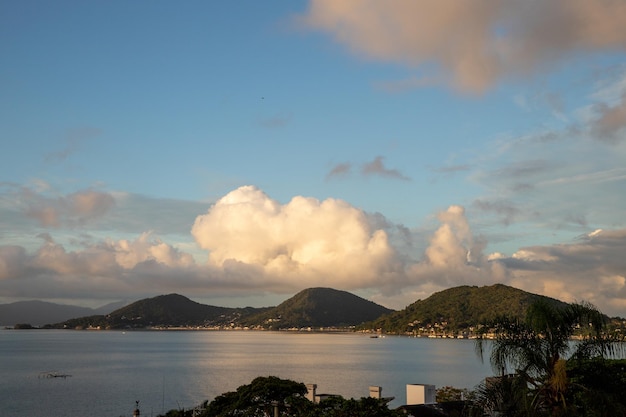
459	308
318	307
38	313
163	310
111	307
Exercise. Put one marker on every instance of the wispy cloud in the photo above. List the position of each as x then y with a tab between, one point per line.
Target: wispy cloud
64	210
524	169
276	121
610	175
563	175
506	210
339	170
377	168
610	126
74	140
411	83
491	40
451	169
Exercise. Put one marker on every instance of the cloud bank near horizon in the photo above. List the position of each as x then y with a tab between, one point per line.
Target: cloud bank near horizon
254	244
472	44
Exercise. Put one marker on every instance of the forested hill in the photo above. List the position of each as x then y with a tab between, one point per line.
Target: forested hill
319	307
459	308
171	309
164	310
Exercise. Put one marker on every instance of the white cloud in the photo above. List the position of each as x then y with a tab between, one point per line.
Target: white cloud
146	248
454	257
303	243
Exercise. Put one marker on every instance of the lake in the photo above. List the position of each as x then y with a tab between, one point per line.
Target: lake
163	370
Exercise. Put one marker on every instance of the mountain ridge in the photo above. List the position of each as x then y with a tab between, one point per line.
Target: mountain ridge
455	309
38	312
313	307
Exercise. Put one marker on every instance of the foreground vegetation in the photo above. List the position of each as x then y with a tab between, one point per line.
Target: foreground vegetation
557	362
548	364
266	396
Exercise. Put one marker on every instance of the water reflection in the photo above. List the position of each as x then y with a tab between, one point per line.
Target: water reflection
168	369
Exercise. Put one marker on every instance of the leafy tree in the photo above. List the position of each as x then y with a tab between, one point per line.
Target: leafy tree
597	387
538	349
365	407
257	398
447	393
23	326
263	394
503	395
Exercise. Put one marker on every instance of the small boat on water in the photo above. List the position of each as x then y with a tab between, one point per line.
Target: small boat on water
53	374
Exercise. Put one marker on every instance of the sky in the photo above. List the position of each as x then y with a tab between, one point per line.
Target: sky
239	152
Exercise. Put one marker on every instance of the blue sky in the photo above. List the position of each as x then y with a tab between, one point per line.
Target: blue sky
238	152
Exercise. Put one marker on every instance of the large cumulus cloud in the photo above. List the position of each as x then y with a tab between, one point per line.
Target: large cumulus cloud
305	242
473	43
452	257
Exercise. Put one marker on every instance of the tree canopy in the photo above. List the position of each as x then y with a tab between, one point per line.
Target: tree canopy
264	395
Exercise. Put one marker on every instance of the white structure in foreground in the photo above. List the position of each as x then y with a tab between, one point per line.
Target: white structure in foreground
417	394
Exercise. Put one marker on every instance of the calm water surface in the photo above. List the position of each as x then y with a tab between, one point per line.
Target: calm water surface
174	369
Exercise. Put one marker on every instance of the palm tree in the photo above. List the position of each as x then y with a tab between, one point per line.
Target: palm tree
537	350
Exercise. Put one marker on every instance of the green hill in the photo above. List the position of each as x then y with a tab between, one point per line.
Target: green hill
318	307
164	310
458	308
171	309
